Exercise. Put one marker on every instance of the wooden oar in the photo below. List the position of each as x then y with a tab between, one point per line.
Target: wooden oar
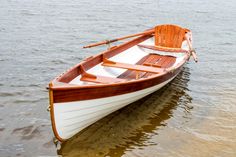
192	51
122	38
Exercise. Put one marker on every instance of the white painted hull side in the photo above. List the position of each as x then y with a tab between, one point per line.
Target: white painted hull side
72	117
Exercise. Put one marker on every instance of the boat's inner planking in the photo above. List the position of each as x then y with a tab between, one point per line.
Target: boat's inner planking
135	62
148	65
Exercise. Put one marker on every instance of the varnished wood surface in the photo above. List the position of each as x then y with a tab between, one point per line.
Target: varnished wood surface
162	48
149	60
102	79
169	35
133	67
52	116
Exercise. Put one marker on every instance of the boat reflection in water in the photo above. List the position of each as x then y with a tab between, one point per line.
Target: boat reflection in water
132	125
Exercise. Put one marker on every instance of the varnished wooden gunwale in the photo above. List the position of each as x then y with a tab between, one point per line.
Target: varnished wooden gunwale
95	92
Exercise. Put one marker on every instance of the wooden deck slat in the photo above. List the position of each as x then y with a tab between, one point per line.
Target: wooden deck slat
130	74
152	58
149	60
155	58
169	62
165	62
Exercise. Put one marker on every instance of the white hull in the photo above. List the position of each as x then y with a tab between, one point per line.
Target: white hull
72	117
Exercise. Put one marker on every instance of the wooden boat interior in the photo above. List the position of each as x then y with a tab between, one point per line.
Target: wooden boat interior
138	59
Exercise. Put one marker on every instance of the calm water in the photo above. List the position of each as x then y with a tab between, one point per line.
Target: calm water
193	116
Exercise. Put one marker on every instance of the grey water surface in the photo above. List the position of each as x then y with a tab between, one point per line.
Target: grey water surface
193	116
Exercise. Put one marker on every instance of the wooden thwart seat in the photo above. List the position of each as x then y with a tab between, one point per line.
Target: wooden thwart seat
139	68
85	76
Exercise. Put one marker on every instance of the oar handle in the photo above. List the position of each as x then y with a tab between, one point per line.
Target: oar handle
150	31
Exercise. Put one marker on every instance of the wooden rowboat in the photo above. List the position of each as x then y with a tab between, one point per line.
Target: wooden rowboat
106	82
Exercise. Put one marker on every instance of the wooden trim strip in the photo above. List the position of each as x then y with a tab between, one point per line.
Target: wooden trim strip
51	101
162	48
152	65
102	79
85	74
